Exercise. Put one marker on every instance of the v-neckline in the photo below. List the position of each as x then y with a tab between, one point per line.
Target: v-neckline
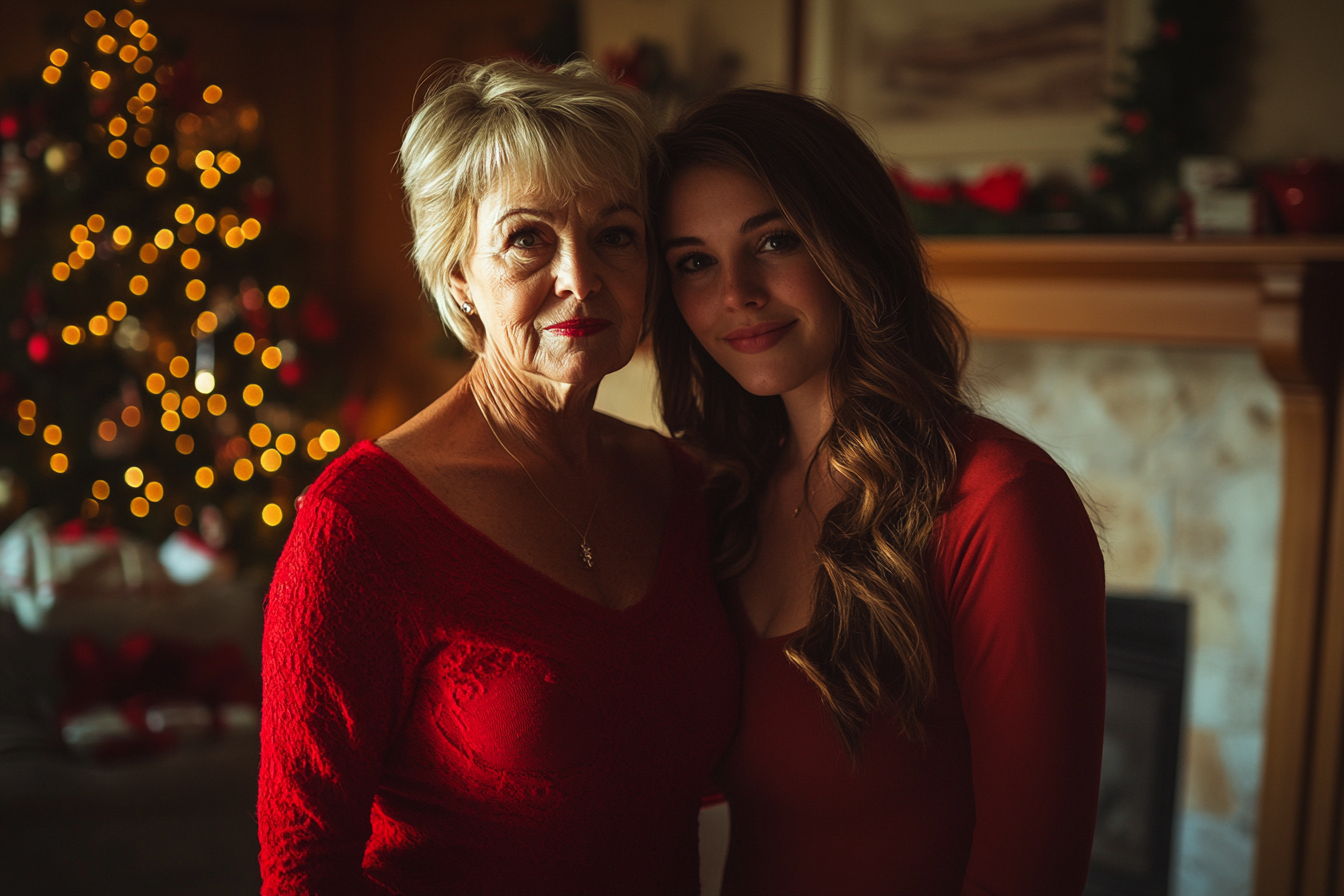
734	596
512	563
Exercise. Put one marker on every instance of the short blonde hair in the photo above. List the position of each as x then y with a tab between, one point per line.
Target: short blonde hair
506	124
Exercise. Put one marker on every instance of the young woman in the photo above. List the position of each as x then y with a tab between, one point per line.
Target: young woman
917	591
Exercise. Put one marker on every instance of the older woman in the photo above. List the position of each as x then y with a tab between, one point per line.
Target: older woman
495	660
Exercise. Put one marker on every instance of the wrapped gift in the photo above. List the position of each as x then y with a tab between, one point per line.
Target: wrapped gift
40	567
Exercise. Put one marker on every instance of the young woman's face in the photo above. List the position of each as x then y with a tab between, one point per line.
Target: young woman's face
745	283
559	287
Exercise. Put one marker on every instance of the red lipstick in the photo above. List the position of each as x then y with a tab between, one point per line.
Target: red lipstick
578	327
758	337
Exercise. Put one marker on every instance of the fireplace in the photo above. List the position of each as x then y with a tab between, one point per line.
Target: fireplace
1146	641
1270	314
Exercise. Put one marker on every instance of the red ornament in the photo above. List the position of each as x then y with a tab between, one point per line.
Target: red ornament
1170	29
317	320
9	126
291	373
1098	176
1136	122
1000	190
39	348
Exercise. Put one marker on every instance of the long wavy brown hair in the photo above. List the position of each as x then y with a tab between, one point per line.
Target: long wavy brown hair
895	384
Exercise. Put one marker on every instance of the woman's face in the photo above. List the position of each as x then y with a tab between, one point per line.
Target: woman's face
745	283
559	287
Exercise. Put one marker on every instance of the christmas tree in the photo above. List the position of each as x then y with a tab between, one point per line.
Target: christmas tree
1178	100
162	365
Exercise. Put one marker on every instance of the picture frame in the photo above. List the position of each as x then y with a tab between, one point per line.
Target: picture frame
951	89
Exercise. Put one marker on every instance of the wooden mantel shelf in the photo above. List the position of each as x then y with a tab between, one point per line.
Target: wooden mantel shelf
1120	288
1285	299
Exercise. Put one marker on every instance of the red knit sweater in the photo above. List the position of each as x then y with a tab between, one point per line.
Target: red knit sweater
1002	796
439	717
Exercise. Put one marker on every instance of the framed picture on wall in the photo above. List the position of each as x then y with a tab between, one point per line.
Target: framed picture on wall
952	86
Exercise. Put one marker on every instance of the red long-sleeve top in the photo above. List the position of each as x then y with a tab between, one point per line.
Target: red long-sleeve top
439	717
1001	798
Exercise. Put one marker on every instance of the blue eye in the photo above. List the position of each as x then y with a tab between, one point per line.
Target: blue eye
780	241
527	238
693	262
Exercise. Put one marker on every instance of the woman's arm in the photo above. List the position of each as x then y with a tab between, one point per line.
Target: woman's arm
332	686
1027	593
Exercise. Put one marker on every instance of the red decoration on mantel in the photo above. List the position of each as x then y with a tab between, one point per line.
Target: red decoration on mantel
1000	190
1309	196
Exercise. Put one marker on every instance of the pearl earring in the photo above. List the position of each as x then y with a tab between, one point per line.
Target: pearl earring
466	308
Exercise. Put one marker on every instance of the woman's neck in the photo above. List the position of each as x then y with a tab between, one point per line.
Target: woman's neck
548	419
810	418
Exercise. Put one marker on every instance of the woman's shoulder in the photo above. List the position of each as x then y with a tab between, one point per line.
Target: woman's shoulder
362	474
1004	476
991	456
364	489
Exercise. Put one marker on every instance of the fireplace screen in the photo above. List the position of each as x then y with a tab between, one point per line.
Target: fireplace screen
1146	649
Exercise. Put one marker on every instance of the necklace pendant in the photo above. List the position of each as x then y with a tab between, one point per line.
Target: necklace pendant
587	554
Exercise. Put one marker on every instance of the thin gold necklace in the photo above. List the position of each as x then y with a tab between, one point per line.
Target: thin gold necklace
585	549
